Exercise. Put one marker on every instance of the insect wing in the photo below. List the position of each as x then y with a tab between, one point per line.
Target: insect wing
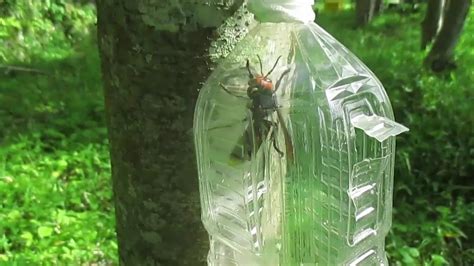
233	86
236	81
250	142
243	149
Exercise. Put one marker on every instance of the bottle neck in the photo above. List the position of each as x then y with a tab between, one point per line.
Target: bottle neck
282	10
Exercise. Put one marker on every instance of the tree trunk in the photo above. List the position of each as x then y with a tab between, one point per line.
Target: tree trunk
432	22
378	7
364	12
154	59
441	56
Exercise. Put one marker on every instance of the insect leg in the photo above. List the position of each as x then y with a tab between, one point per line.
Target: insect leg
226	126
277	85
229	92
275	145
286	135
274	136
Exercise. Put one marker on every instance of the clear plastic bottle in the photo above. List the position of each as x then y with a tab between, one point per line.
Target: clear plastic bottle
305	176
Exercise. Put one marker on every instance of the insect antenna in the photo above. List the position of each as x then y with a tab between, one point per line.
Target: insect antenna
273	68
248	69
261	66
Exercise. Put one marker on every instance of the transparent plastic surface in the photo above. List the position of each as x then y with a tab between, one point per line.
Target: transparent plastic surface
304	174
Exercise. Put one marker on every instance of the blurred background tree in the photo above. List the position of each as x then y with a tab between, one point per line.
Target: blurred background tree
55	176
445	30
442	26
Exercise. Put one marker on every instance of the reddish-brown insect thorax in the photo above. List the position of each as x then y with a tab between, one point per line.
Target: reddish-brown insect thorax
264	82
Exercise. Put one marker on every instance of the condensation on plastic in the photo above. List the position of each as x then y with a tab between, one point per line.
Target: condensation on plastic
329	205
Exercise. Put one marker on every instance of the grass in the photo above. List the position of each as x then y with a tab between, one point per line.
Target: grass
55	188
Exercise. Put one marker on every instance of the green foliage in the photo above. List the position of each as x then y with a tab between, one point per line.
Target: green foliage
27	25
433	198
54	165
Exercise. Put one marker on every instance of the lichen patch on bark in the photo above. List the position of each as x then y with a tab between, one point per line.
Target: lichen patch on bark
173	15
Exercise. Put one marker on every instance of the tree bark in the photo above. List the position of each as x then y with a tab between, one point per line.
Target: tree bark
364	12
432	22
155	56
441	55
